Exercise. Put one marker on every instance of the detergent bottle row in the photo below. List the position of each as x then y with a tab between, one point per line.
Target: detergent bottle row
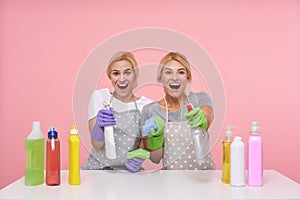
34	146
233	168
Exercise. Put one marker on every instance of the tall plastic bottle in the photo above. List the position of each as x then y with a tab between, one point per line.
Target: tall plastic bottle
255	156
110	146
34	146
226	156
199	138
74	157
53	158
237	162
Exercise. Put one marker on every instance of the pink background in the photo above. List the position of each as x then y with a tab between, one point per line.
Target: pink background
255	44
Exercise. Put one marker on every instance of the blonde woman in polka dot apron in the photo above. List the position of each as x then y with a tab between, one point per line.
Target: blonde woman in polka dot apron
167	132
124	115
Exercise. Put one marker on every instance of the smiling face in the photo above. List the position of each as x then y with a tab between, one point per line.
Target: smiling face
174	78
123	79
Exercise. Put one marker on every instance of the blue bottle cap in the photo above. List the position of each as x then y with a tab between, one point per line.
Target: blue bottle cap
52	133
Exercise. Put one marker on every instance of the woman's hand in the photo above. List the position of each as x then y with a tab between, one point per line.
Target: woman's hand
155	127
196	118
135	159
105	117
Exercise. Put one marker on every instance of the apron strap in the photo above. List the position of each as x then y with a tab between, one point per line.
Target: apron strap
167	110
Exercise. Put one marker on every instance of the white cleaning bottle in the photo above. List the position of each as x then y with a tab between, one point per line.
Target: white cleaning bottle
110	145
237	162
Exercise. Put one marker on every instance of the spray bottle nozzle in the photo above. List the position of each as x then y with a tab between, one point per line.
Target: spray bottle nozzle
189	107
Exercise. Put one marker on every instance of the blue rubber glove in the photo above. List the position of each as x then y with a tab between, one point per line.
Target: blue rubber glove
105	117
135	159
134	165
98	133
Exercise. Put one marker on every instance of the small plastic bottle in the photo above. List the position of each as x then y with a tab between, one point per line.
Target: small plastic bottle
74	157
110	146
237	162
53	158
199	138
34	146
255	156
226	156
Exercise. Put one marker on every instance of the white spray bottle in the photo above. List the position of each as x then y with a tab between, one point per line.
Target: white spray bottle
199	141
110	145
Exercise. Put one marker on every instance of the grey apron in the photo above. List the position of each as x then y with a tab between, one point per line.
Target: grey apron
127	137
178	147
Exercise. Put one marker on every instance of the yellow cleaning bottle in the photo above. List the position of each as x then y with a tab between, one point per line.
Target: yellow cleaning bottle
226	156
74	157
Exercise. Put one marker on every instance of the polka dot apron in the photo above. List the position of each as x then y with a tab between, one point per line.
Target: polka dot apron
178	147
127	137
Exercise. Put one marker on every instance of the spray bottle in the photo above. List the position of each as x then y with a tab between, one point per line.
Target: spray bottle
110	146
53	158
74	157
34	146
237	162
255	156
199	138
226	156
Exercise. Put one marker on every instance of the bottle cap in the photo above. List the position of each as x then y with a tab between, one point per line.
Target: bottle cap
74	130
255	127
237	138
36	125
189	107
36	132
52	133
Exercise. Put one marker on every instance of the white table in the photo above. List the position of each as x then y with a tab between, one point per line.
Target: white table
167	184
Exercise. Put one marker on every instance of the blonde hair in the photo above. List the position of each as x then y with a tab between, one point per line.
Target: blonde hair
123	55
176	57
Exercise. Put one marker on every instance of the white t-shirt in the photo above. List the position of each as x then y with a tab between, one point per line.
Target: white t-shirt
98	97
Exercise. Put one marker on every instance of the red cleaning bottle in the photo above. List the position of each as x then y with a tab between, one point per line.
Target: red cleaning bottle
53	158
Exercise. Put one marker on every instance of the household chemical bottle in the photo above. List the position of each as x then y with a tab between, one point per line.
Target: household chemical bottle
237	162
53	158
226	156
34	146
74	157
110	146
255	156
198	137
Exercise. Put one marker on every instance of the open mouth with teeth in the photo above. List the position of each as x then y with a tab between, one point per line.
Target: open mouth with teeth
174	85
122	86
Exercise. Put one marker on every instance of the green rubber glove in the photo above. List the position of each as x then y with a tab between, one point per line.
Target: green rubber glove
196	118
156	137
138	153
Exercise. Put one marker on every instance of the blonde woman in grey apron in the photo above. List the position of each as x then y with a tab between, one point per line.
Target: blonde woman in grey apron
123	115
167	123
